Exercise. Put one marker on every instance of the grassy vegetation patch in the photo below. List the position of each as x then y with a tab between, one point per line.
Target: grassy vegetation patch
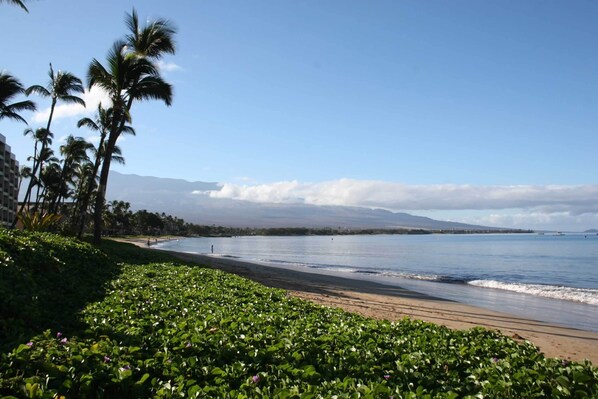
45	279
173	330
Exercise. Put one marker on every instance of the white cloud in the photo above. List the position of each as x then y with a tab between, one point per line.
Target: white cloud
575	200
550	207
91	97
168	66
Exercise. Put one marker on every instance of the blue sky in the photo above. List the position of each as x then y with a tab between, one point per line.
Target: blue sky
474	111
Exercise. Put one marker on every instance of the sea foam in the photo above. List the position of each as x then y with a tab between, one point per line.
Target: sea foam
583	295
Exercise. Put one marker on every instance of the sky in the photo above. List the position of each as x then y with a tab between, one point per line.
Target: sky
471	111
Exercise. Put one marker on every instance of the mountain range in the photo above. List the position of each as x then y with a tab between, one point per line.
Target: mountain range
191	202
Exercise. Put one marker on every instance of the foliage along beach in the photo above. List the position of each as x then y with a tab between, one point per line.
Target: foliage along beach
114	320
122	321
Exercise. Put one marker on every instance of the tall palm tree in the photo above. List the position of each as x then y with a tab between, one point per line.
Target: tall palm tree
74	152
18	3
61	87
11	87
41	139
41	153
132	75
101	124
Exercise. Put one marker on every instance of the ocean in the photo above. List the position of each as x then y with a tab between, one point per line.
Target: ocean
551	278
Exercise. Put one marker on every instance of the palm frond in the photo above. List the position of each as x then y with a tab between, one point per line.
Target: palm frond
9	88
39	90
66	82
17	3
153	88
128	130
26	105
88	123
153	40
73	99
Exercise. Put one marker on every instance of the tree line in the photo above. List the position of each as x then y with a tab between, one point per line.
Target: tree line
69	186
121	220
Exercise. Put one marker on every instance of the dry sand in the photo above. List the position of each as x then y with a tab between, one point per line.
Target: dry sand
381	301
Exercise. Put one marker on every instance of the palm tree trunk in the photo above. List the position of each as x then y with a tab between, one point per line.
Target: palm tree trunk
29	186
41	151
87	196
101	192
115	131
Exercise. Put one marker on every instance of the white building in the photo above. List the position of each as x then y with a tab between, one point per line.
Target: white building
9	184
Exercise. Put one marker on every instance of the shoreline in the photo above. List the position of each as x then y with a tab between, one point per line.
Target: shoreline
379	301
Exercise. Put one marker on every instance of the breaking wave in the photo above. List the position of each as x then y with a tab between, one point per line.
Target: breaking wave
583	295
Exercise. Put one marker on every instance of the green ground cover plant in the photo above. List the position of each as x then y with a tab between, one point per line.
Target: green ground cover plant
45	279
168	329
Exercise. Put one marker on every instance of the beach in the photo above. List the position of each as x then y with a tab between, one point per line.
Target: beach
381	301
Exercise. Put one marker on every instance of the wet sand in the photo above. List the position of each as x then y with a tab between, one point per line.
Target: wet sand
381	301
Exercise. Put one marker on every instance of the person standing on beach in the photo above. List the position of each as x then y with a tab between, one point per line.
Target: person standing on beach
212	248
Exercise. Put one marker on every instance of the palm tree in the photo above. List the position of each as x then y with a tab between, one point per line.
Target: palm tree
50	179
18	3
43	137
74	151
9	88
61	87
151	41
24	173
101	124
131	76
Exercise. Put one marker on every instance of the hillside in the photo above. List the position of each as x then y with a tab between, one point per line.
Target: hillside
190	201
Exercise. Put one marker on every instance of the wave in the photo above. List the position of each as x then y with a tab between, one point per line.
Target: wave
320	266
583	295
368	271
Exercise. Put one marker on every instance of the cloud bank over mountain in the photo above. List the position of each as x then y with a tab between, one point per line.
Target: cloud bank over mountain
361	203
574	200
192	202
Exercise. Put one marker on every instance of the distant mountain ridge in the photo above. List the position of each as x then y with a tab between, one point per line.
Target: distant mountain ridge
190	201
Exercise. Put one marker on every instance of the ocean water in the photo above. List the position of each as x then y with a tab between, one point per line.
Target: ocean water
552	278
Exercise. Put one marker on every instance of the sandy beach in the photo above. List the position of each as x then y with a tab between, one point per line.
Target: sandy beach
394	303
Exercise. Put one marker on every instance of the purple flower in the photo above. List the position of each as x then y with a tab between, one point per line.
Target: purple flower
64	340
106	359
29	344
125	368
188	345
494	360
386	376
255	379
565	363
58	334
